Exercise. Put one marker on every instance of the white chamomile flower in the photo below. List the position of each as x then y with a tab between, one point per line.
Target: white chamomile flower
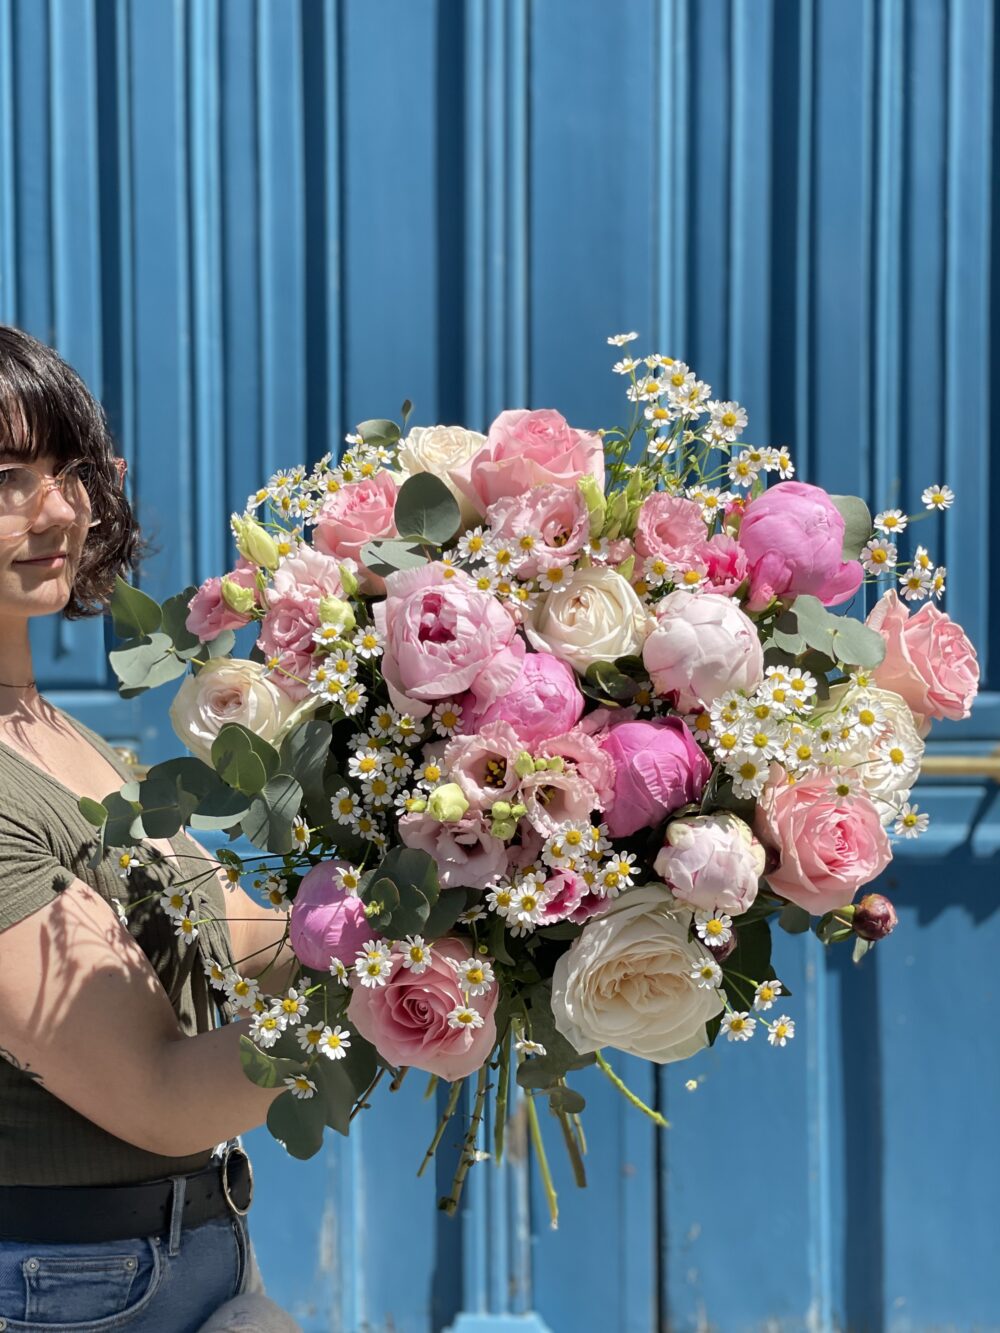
464	1016
409	802
803	687
661	446
915	584
345	806
446	718
397	765
500	898
763	738
373	964
890	521
783	464
504	557
938	582
301	833
415	954
781	1031
353	698
527	905
378	789
429	774
620	339
341	663
711	501
867	718
475	975
242	992
727	709
741	472
294	1005
707	973
275	890
525	594
688	578
175	901
895	754
300	1086
879	555
471	915
748	771
327	636
406	730
185	928
766	994
937	497
922	560
475	544
727	421
127	862
484	580
713	927
338	971
367	643
525	1046
217	975
691	398
365	764
552	576
335	1042
738	1026
309	1037
911	821
626	366
266	1028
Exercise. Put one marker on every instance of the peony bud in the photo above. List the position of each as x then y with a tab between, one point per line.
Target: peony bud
237	598
874	917
447	803
253	542
333	611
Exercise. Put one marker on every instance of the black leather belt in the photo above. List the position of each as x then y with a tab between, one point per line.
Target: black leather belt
64	1214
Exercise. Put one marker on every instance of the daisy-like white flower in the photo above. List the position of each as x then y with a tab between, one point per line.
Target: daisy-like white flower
373	964
266	1028
867	717
727	421
242	992
524	595
365	764
353	698
726	741
922	560
661	446
528	901
300	1086
766	994
690	400
688	578
175	901
185	929
552	576
127	862
727	710
781	1031
428	775
345	806
879	555
415	954
711	500
937	497
309	1037
938	582
464	1016
294	1005
475	544
378	790
741	472
748	771
475	975
803	687
335	1042
327	636
713	927
406	730
911	821
446	718
407	802
500	898
275	890
626	365
890	521
471	915
620	339
339	971
915	584
301	833
738	1026
367	642
525	1046
762	736
215	972
707	973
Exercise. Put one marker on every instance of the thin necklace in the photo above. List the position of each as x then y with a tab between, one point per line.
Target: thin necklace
11	686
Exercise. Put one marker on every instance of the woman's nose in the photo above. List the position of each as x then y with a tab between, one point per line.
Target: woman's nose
53	508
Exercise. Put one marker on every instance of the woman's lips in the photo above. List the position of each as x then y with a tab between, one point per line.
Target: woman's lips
45	561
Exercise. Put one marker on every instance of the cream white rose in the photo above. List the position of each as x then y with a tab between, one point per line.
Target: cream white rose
230	689
595	616
889	763
626	981
446	451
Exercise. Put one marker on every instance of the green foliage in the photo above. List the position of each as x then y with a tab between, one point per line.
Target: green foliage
303	755
858	527
751	958
134	613
386	556
298	1124
143	663
268	823
807	624
93	811
426	510
405	888
566	1101
242	759
379	431
604	682
265	1069
794	919
445	912
175	612
543	1072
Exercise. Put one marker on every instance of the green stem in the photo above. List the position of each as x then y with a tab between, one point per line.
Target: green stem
629	1095
503	1092
362	1101
397	1081
551	1198
449	1111
573	1149
468	1155
432	1083
580	1135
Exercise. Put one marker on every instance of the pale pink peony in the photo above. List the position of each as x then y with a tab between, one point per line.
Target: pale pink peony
929	661
525	449
483	764
544	701
700	647
326	921
671	527
208	615
828	845
442	637
406	1020
558	515
793	535
725	563
712	862
360	512
659	767
464	850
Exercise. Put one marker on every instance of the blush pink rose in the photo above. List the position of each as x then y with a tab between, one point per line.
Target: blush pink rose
828	845
712	862
525	449
793	536
208	615
544	701
671	527
557	515
483	764
443	636
292	615
928	659
659	767
725	563
700	647
360	512
465	851
326	921
406	1020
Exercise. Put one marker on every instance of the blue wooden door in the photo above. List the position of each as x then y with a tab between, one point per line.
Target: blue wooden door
253	223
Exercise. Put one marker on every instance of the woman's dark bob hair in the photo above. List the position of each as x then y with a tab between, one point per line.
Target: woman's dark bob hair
45	408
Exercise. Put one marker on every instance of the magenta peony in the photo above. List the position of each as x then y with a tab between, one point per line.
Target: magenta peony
659	767
326	921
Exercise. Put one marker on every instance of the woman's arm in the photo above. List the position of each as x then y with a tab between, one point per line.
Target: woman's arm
83	1010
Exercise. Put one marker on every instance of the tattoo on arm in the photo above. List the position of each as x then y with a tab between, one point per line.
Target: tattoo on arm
25	1069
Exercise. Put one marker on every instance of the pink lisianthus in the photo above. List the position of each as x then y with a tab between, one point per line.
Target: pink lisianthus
525	449
326	921
443	636
828	845
406	1020
556	514
360	512
712	862
554	798
286	640
929	660
309	574
208	615
671	527
793	536
659	767
483	764
590	905
725	563
566	890
587	758
544	701
465	851
700	647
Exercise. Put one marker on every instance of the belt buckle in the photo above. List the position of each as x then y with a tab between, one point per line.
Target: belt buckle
231	1151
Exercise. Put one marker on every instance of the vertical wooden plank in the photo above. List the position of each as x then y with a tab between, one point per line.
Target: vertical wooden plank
32	202
671	205
8	180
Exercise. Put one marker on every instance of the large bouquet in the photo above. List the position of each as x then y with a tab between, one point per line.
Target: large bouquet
541	731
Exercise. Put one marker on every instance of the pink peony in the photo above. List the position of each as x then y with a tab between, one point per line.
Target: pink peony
712	862
208	615
525	449
829	845
483	764
443	636
701	647
671	527
725	563
658	768
360	512
465	851
542	702
406	1020
793	535
326	921
557	514
928	659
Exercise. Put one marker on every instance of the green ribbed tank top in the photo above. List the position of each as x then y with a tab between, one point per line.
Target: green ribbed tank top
45	843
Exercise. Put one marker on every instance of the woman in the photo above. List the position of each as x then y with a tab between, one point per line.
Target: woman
116	1081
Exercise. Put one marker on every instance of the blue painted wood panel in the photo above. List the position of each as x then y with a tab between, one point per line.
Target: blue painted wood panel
252	223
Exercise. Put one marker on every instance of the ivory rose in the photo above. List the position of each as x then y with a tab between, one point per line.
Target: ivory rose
659	767
360	512
525	449
712	862
928	659
406	1020
228	689
626	982
595	616
700	647
544	701
447	452
326	921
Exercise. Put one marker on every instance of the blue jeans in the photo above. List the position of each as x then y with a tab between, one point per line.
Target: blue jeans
159	1284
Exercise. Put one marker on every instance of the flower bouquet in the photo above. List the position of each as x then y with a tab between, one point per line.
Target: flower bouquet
542	732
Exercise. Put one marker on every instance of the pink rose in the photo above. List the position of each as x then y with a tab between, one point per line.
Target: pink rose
557	514
443	636
308	574
360	512
829	845
793	535
659	767
671	527
525	449
208	615
725	563
406	1020
465	851
712	862
928	659
326	921
544	701
483	764
700	647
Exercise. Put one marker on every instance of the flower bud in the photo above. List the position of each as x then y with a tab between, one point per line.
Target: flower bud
447	803
721	951
333	611
874	917
500	810
593	494
348	580
237	598
524	765
254	543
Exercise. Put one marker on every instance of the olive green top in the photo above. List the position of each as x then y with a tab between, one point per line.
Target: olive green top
45	843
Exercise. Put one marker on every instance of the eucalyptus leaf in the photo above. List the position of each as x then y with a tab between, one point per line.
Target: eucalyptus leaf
605	677
174	614
164	808
426	509
386	556
134	613
143	663
298	1124
379	431
445	912
566	1101
858	527
751	958
335	1092
267	1071
857	644
221	645
303	754
118	829
93	811
268	822
243	759
794	919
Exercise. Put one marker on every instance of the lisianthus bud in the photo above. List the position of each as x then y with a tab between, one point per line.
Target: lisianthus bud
524	764
447	803
593	493
255	543
334	611
874	917
348	579
237	598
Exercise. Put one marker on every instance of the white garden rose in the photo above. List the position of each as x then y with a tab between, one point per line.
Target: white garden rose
595	616
445	451
886	777
231	689
626	981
